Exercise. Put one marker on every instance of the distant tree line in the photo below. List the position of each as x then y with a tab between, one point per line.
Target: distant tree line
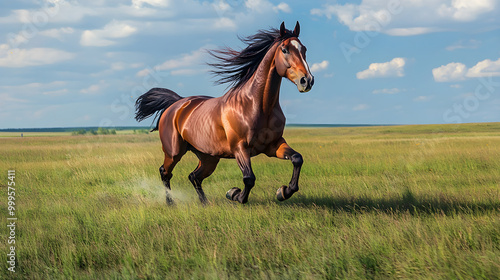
99	131
141	131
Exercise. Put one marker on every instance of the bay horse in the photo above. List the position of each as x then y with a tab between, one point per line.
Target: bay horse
246	121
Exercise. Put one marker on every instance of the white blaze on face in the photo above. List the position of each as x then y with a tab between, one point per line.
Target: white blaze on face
298	46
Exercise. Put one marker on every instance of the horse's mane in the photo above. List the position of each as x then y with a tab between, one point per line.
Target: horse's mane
236	67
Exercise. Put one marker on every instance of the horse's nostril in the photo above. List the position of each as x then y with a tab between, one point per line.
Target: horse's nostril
312	81
303	81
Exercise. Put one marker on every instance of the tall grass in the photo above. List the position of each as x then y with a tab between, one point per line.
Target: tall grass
377	202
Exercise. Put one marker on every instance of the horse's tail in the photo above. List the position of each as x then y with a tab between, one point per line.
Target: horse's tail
156	100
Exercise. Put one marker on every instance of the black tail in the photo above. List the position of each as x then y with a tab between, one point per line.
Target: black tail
156	100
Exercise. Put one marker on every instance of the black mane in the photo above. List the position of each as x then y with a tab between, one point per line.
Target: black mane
235	67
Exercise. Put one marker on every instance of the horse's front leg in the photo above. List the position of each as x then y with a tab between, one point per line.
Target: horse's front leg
283	151
243	159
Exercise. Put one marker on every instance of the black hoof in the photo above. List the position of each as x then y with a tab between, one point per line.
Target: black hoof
169	200
232	193
280	193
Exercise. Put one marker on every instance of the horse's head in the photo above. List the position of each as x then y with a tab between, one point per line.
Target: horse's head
290	59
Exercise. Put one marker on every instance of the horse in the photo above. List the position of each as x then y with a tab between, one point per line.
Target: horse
246	121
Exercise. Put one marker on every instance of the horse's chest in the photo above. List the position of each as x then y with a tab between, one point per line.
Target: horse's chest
267	132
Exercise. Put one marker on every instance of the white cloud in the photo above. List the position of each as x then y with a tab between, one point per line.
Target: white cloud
283	7
180	66
317	67
393	68
119	66
40	113
262	6
485	68
407	18
185	72
16	58
259	5
387	91
57	33
466	10
221	7
95	88
6	99
101	37
186	60
422	98
224	23
360	107
450	72
457	71
470	44
58	92
410	31
154	3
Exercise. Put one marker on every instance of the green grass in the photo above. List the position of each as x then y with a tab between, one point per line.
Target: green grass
418	202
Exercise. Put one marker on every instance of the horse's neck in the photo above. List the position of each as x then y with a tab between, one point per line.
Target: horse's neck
264	86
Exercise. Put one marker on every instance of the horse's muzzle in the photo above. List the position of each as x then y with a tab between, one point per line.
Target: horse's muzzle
306	83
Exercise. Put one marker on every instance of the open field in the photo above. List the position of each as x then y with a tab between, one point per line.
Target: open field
418	202
52	134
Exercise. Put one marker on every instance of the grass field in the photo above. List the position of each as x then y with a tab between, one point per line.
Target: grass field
411	202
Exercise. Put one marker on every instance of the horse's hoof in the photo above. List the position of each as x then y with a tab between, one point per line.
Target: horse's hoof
170	201
232	192
280	193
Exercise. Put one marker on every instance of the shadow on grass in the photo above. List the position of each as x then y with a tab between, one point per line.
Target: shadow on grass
406	203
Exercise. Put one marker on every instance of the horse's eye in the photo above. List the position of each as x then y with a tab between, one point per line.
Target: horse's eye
284	50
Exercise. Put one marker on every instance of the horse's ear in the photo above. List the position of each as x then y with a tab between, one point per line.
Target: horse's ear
282	29
296	30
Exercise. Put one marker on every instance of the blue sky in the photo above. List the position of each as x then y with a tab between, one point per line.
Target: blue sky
83	63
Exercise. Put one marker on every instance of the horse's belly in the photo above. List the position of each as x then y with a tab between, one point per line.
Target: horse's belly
198	125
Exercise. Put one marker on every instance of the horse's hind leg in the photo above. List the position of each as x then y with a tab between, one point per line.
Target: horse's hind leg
205	168
166	172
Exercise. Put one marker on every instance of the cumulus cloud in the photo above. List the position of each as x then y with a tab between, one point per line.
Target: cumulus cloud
16	58
466	10
457	71
102	37
485	68
450	72
393	68
283	7
407	18
317	67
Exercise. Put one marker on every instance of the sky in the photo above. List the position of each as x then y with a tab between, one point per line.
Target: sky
69	63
